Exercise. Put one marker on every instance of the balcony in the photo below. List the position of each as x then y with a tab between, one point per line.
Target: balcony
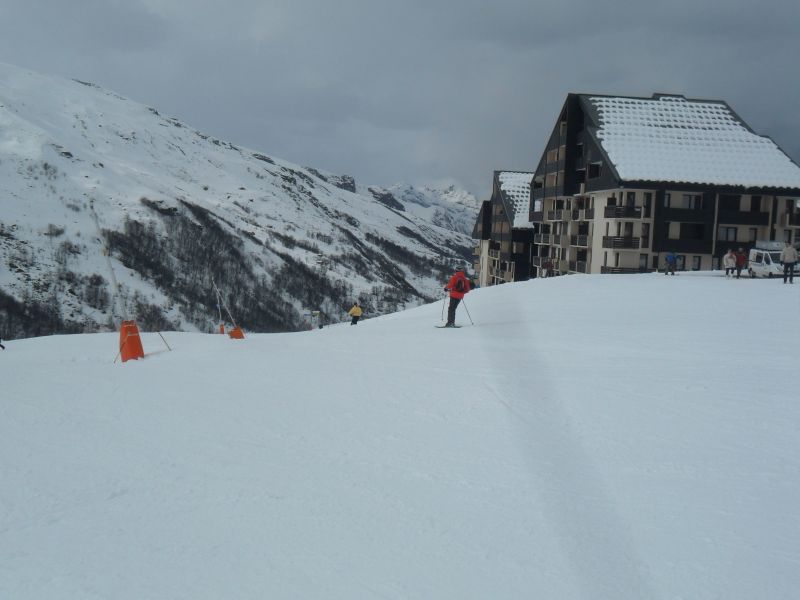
618	270
621	243
537	261
494	254
578	266
542	238
557	239
622	212
737	217
791	220
579	240
555	215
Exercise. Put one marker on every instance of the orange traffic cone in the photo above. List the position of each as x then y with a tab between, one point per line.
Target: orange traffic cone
236	333
130	344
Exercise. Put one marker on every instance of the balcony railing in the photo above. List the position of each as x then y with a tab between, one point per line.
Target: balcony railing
578	266
621	242
737	217
606	270
494	254
622	212
537	216
542	238
791	220
579	240
537	261
555	215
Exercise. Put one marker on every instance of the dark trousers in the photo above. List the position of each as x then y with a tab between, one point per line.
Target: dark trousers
451	311
354	321
738	272
788	271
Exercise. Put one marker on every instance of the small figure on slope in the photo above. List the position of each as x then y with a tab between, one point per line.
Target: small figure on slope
671	259
741	259
1	345
788	260
729	262
355	312
458	285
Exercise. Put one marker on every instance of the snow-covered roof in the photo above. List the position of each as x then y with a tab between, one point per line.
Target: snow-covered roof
516	186
671	138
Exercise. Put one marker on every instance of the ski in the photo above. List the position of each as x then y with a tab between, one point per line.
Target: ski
446	327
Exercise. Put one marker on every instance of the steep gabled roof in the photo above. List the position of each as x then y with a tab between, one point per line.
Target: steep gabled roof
675	139
516	189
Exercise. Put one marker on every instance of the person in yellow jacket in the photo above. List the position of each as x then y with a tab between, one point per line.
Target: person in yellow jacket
356	313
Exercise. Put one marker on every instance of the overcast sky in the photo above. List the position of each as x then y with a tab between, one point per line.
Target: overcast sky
419	91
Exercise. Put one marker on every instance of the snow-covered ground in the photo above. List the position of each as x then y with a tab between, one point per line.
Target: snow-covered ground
591	437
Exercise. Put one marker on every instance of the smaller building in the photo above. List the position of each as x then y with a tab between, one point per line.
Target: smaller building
504	230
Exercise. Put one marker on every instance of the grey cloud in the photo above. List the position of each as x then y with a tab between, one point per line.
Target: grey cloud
418	90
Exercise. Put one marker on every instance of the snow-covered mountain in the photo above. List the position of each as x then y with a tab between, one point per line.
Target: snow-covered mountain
448	207
602	437
95	187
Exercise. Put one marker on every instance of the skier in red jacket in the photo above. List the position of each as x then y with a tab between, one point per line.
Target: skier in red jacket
458	285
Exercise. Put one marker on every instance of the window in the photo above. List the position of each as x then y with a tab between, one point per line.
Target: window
667	227
691	201
552	155
594	170
715	263
655	261
648	201
753	234
726	234
611	201
787	236
538	183
630	198
695	263
755	203
667	200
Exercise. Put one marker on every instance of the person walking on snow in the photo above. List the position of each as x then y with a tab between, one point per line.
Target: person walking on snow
1	345
356	313
788	260
729	262
458	286
670	263
741	259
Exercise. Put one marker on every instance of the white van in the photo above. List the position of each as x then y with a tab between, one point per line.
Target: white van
765	260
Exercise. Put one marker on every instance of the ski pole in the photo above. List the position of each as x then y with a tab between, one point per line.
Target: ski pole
443	301
466	309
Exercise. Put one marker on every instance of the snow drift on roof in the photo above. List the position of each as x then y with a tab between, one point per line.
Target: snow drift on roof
670	138
517	188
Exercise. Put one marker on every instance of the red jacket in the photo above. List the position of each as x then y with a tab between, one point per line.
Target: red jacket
453	284
740	259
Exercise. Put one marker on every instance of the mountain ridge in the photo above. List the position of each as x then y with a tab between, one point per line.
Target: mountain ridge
92	179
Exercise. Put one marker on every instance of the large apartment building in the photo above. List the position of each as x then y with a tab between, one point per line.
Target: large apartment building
504	230
624	180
